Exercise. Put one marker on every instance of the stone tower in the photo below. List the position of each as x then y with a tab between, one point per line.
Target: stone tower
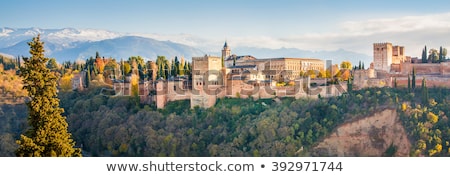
226	51
161	94
382	56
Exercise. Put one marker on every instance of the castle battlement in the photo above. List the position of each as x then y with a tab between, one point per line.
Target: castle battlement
380	44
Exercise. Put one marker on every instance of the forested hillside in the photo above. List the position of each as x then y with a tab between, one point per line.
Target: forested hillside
117	126
241	127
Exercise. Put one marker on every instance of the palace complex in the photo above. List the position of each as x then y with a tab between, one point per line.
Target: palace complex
229	75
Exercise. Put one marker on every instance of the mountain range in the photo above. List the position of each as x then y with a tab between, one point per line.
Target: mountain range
70	44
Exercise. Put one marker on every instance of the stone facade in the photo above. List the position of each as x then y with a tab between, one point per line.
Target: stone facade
382	56
207	80
286	69
243	77
390	64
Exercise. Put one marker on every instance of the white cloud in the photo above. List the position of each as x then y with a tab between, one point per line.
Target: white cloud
413	32
400	24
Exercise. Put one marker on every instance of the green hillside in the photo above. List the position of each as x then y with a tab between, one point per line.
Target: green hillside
117	126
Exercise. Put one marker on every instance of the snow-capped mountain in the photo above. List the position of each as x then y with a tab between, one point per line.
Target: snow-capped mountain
71	44
12	36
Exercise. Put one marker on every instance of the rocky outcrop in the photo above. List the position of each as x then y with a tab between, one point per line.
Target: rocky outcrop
369	136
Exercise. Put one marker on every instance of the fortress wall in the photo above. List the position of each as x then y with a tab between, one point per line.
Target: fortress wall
422	68
432	81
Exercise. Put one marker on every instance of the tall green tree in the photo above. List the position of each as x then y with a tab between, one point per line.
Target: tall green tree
48	134
161	65
409	83
441	54
413	84
424	92
88	76
176	67
395	82
52	65
424	55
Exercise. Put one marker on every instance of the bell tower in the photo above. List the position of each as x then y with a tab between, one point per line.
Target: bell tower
226	52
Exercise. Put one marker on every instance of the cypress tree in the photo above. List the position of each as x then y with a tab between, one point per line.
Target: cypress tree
441	55
88	76
413	84
18	61
186	68
424	55
424	92
409	84
395	82
349	85
48	134
176	67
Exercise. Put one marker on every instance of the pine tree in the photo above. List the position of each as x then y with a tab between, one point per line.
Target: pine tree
359	66
48	134
441	55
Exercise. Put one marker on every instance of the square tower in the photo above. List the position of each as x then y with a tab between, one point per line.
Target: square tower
382	56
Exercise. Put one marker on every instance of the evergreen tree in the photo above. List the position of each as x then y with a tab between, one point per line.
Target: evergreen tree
413	84
409	83
363	66
441	55
395	82
48	134
51	64
186	68
18	61
424	92
349	85
97	55
88	76
176	67
424	55
359	66
173	68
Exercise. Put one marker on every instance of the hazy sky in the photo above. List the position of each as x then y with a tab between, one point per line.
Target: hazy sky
305	24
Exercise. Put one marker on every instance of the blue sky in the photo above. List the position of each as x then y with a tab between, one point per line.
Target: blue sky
305	24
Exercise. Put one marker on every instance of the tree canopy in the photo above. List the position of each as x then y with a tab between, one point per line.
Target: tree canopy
48	134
